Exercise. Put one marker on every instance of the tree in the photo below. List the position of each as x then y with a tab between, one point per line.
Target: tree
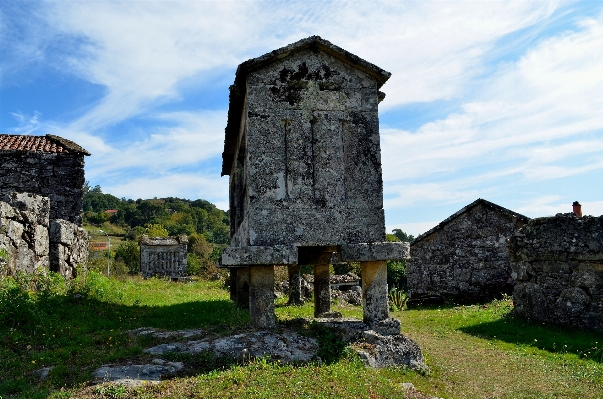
402	236
129	252
156	230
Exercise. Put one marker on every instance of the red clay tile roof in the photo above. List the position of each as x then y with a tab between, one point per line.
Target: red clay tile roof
48	143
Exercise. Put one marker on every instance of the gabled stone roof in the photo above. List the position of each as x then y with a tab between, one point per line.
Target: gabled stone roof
239	87
466	209
46	144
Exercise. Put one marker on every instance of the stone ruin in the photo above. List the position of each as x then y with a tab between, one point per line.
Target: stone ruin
32	240
303	155
163	257
41	194
558	266
464	259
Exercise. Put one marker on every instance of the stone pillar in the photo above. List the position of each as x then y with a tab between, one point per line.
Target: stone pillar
322	289
374	291
232	280
242	287
295	293
261	296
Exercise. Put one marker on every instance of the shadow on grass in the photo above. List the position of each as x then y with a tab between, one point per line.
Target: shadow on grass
73	335
554	339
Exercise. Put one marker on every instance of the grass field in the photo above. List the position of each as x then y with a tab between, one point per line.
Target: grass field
472	351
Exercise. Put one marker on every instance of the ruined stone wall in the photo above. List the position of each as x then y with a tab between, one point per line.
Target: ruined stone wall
68	247
466	260
58	176
24	232
163	257
558	265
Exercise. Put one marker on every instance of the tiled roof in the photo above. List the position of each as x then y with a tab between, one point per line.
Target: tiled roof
48	143
466	209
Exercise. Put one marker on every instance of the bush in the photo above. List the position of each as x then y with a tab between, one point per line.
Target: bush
396	274
129	253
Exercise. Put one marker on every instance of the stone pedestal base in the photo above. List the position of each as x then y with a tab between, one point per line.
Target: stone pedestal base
374	291
322	290
295	292
261	296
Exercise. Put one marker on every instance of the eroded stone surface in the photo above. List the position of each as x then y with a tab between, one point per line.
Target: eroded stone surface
286	347
558	265
24	220
188	333
68	247
136	374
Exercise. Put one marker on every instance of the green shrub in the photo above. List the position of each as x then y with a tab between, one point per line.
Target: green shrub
129	252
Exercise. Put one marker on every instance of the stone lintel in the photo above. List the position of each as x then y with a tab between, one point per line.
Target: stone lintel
257	255
375	251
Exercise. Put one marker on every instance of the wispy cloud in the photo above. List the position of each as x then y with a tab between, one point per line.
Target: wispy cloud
537	119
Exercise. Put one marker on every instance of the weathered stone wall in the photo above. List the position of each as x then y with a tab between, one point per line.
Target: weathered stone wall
558	265
308	166
466	260
163	257
24	232
68	247
58	176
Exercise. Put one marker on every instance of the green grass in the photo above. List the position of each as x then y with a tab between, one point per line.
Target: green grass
472	351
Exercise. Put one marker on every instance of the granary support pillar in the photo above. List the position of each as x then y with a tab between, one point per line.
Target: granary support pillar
295	292
374	291
322	289
241	282
261	296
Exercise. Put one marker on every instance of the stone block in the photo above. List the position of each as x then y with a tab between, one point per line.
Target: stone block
258	255
375	251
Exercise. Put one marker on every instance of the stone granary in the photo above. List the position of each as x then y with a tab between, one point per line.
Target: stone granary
464	258
303	155
558	265
44	168
163	256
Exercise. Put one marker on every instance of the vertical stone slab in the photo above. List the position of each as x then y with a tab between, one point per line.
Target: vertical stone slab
242	287
374	291
295	293
261	296
322	289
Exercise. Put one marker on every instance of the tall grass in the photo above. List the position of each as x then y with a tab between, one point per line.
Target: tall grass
478	351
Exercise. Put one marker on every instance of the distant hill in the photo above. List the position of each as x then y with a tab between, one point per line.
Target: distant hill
176	215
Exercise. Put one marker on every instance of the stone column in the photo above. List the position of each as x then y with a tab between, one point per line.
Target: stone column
374	291
295	293
233	283
242	287
322	289
261	296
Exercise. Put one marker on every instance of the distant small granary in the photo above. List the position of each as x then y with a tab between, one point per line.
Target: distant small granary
464	258
163	257
303	155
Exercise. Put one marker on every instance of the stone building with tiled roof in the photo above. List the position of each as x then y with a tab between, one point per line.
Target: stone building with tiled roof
464	258
50	166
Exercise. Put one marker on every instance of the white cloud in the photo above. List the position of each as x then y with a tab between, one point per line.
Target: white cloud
538	119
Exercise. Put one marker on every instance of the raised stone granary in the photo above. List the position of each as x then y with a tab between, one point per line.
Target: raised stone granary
464	258
303	155
50	166
558	265
163	257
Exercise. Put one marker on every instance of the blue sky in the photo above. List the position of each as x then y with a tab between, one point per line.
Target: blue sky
498	100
